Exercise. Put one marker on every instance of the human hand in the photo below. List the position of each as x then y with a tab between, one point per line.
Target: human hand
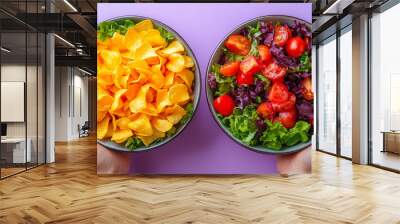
295	163
112	162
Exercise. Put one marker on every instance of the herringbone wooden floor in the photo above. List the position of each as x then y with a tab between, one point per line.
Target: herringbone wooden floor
69	191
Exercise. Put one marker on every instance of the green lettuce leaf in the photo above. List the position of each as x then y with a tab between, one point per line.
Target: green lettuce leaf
242	124
107	29
224	84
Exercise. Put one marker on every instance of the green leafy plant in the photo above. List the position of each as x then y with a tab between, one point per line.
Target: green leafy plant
133	143
225	84
166	34
107	29
231	56
242	124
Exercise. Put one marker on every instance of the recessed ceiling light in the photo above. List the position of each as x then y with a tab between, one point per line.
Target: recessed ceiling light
70	5
5	50
84	71
64	40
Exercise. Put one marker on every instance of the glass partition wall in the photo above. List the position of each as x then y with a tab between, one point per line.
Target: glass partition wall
327	95
384	90
334	94
22	76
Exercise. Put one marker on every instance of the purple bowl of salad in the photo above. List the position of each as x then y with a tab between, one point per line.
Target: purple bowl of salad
259	85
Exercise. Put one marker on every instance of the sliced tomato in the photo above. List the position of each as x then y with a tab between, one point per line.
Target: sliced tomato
266	110
287	105
265	54
238	44
287	119
281	35
224	105
230	68
279	93
295	47
274	72
250	65
244	79
306	89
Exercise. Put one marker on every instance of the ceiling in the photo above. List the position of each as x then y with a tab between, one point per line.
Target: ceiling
75	21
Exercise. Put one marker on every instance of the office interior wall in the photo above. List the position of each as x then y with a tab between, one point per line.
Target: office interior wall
71	102
16	72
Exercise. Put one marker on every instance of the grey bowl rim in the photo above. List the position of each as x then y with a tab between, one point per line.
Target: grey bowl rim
291	149
118	147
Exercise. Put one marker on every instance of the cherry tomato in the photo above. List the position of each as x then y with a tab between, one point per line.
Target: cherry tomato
274	72
286	105
279	93
250	65
244	79
238	44
287	119
295	47
307	43
265	54
230	68
266	110
281	35
306	89
224	105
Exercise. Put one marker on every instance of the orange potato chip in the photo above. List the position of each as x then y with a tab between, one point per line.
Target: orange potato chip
139	103
113	122
122	123
160	124
187	76
175	113
144	25
140	66
153	37
162	100
132	91
110	132
174	47
176	62
153	60
147	140
104	103
178	93
169	79
150	110
157	79
188	62
145	51
117	42
101	115
112	59
117	103
141	126
102	127
132	40
121	136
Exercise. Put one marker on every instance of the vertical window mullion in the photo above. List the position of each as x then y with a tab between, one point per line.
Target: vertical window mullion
338	75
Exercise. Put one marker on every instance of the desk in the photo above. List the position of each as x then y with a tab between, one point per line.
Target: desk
13	150
391	141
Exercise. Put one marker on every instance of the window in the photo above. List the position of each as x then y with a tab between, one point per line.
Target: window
327	95
385	89
346	92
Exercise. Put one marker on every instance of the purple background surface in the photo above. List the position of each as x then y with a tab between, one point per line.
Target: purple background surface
202	148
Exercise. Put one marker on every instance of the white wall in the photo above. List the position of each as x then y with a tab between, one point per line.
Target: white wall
34	125
71	94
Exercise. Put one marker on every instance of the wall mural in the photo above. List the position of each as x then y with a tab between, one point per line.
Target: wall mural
204	88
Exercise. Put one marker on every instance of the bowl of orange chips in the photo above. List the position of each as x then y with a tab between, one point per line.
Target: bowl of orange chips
148	84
